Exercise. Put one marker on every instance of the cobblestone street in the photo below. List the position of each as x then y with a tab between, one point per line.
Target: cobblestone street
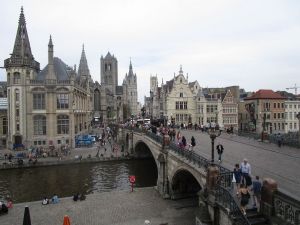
108	208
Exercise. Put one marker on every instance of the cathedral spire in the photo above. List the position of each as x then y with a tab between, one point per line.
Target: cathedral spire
51	74
130	73
83	69
21	55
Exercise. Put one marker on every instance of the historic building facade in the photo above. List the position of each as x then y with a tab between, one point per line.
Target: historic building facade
266	110
292	108
49	107
183	102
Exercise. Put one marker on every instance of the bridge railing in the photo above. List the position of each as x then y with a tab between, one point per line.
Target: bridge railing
225	198
286	207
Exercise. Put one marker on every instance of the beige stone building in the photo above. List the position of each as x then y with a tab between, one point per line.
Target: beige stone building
49	107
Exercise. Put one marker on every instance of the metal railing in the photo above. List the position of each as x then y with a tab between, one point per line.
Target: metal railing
225	198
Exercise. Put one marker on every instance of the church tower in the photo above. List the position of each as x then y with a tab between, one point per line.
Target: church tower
83	69
109	73
130	83
20	68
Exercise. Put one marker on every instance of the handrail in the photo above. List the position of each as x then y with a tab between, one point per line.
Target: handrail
225	198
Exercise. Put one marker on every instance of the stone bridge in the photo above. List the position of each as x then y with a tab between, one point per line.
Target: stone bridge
182	173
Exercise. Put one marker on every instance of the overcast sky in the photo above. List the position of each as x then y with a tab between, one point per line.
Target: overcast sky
254	44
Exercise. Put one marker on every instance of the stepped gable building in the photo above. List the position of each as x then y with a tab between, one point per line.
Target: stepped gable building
181	102
49	107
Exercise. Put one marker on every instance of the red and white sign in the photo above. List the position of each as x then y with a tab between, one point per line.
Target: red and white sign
132	179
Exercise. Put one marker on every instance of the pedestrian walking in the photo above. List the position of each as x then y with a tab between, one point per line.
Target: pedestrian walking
237	173
246	171
245	196
193	142
183	140
220	150
256	188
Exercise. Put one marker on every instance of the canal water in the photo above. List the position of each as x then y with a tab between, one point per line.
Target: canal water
32	184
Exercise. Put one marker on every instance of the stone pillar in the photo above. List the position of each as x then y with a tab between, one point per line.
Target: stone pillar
162	179
202	213
269	187
211	178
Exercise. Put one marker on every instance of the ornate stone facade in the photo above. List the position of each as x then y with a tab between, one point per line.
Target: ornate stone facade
49	107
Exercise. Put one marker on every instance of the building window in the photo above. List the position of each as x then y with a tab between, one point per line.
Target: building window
17	112
295	126
17	78
18	127
181	95
278	116
62	124
17	95
274	105
39	125
38	101
291	126
107	67
278	105
62	101
4	126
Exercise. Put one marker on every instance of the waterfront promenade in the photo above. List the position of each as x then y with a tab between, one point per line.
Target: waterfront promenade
108	208
266	159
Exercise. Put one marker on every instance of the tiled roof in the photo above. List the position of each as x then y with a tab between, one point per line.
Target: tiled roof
265	94
60	68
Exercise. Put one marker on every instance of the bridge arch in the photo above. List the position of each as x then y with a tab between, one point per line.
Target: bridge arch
184	183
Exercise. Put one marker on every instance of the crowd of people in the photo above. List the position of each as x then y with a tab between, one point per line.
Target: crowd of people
245	186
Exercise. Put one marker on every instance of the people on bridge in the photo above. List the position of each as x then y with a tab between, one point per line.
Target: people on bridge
183	140
193	142
256	188
245	196
237	176
246	170
220	150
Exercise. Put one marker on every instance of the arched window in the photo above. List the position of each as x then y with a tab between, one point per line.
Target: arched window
39	125
62	124
17	78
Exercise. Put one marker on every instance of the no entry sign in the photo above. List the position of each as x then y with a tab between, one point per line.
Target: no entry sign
132	179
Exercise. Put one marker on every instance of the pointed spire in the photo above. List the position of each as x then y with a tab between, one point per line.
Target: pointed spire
180	70
50	41
130	73
83	69
51	74
22	55
50	51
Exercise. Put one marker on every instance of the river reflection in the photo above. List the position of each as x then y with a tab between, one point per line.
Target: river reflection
33	184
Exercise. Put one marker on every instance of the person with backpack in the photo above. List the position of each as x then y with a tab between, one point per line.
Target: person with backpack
256	188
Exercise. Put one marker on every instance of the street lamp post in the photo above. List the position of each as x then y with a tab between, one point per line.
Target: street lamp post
132	133
213	134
